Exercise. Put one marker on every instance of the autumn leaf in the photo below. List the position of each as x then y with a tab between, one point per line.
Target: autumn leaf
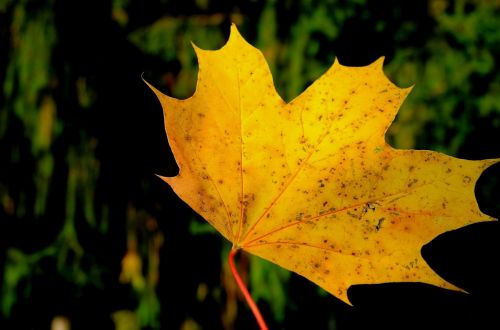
311	185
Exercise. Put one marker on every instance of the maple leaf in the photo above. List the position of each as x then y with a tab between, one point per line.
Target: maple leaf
311	185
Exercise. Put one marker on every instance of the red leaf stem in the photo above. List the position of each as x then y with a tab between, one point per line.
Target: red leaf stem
251	303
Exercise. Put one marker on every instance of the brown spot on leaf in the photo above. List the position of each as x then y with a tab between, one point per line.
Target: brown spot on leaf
378	226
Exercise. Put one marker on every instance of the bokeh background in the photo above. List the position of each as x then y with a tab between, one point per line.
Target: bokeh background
90	238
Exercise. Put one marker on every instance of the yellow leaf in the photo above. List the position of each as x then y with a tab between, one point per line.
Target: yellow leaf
311	185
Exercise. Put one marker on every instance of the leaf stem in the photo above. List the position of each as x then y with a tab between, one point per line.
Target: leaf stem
251	303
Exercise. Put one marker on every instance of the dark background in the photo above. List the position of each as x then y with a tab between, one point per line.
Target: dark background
90	236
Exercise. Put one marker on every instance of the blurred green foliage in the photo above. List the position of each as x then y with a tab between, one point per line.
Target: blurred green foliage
454	73
61	215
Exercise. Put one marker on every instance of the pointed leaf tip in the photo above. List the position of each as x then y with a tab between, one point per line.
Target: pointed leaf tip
154	89
163	98
234	32
234	36
380	61
195	47
234	28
